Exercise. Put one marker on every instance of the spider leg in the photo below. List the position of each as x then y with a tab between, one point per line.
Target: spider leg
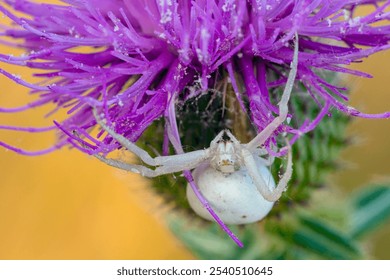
143	170
142	154
265	161
217	138
283	105
258	180
175	163
260	152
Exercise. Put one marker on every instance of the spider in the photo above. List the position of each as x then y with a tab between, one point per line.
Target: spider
226	157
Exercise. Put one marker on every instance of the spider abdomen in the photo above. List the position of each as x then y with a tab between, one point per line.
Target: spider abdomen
233	197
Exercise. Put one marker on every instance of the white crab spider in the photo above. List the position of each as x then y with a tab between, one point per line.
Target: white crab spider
234	197
243	196
224	162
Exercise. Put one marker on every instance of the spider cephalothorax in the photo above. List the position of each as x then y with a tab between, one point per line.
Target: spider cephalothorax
226	156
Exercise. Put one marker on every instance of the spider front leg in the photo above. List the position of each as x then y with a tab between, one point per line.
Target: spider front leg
259	153
143	170
283	105
135	168
142	154
163	164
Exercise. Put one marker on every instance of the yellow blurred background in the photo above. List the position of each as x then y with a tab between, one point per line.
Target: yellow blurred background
66	205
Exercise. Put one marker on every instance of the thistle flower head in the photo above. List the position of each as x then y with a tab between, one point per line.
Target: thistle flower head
145	56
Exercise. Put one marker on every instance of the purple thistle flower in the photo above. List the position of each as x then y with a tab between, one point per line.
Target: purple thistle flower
146	56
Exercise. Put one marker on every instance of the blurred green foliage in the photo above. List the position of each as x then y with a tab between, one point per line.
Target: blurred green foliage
321	230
